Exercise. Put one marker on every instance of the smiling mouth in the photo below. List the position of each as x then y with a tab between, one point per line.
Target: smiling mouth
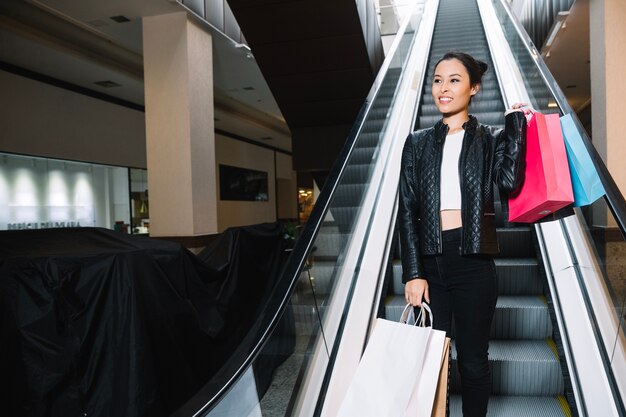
445	100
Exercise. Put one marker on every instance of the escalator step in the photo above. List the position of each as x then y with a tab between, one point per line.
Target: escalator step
521	317
362	155
374	126
511	406
516	317
515	277
519	367
329	245
348	195
368	139
515	242
518	276
343	216
356	174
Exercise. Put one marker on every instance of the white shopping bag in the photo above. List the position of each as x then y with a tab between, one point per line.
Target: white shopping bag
389	369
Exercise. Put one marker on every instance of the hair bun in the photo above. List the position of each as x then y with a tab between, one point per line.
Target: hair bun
482	66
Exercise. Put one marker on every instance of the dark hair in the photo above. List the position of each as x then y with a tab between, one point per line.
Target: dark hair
475	68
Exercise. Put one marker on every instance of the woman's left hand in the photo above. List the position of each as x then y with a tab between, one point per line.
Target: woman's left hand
523	107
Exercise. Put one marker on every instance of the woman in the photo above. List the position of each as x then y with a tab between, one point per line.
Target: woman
447	222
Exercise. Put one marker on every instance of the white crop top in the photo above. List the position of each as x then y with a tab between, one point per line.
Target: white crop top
450	186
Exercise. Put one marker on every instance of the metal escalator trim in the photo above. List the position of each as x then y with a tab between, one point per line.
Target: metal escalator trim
564	406
552	347
556	300
592	313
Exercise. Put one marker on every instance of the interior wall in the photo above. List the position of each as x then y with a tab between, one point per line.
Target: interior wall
245	155
286	187
43	120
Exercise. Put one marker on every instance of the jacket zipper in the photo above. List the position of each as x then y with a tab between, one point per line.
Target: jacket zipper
440	150
462	186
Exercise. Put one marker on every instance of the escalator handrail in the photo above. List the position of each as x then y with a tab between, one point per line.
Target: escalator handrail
614	198
278	301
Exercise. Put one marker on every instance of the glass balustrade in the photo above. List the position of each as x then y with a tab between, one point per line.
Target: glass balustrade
266	374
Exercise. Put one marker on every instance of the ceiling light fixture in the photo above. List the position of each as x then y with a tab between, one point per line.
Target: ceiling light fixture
119	19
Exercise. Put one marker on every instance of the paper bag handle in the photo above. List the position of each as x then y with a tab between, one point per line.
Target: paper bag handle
408	314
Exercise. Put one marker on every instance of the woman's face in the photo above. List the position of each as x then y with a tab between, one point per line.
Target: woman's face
451	87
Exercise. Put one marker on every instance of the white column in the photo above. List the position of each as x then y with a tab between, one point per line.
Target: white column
180	140
608	61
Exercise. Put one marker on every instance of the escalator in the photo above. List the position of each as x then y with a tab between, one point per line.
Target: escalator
335	282
526	374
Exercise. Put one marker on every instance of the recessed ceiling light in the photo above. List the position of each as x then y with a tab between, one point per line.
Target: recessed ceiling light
107	84
119	19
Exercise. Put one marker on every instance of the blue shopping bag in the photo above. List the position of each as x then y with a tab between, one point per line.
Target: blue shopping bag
585	180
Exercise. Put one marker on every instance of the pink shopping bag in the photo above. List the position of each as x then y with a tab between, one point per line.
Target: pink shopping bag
547	186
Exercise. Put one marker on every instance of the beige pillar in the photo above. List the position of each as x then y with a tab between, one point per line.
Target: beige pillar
180	140
608	61
286	187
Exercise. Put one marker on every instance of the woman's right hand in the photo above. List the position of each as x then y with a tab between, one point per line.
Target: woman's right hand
415	290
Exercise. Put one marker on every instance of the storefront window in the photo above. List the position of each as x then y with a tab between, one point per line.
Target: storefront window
305	204
38	193
140	209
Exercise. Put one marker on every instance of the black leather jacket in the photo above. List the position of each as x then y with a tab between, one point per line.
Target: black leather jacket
488	156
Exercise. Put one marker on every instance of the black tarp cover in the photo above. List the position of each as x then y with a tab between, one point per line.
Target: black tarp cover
97	323
247	261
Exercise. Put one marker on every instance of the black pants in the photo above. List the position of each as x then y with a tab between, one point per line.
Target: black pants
465	287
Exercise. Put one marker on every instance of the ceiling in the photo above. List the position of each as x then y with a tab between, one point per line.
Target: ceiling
79	43
244	104
320	59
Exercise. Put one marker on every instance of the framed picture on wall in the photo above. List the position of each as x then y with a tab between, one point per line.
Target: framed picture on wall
241	184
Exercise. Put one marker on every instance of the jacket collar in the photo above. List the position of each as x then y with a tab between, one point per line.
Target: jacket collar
441	129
